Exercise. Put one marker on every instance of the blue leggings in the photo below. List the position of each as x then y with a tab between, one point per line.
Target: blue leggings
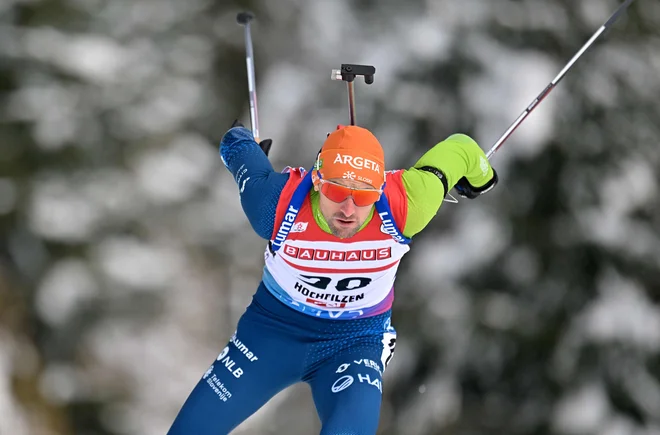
274	347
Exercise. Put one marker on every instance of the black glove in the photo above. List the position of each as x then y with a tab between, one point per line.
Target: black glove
264	144
466	190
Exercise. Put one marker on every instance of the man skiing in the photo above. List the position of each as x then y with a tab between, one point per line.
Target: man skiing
321	314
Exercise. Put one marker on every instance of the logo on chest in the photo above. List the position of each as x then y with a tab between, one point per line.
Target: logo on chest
335	255
299	227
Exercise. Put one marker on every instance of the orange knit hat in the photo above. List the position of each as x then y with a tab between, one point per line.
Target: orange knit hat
353	153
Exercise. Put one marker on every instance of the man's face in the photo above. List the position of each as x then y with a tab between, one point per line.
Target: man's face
344	218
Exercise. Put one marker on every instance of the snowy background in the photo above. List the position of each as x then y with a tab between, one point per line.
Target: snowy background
126	260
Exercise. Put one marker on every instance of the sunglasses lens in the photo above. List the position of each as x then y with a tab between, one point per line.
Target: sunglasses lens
365	197
337	193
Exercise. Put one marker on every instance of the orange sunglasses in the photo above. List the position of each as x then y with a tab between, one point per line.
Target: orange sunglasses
338	193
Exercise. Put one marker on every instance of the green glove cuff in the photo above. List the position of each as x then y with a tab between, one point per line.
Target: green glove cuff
459	156
482	174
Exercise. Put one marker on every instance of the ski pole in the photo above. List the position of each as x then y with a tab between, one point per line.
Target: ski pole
244	18
557	79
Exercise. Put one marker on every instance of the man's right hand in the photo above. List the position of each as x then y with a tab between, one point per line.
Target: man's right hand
264	144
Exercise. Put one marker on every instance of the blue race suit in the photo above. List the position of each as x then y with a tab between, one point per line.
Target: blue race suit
276	346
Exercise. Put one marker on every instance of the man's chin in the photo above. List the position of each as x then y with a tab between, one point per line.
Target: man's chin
344	233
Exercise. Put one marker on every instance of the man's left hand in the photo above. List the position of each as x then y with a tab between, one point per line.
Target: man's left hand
476	185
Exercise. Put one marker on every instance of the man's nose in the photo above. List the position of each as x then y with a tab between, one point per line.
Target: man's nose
348	206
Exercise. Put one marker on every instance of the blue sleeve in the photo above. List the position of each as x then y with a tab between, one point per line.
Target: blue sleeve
259	185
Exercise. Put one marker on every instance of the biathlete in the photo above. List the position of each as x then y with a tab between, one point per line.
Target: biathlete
322	312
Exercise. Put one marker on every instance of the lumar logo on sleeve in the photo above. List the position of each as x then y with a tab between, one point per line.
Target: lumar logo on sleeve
286	226
388	227
358	162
